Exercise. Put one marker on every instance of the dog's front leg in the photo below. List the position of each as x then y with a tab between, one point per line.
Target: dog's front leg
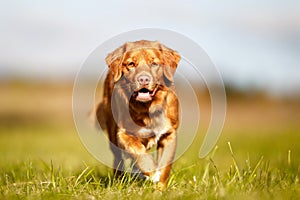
165	155
138	152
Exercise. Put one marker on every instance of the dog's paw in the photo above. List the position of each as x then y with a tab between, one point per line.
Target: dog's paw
155	177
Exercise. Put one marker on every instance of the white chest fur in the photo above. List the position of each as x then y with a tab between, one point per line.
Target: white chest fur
158	126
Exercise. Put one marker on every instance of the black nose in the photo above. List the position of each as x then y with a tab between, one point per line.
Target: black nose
144	79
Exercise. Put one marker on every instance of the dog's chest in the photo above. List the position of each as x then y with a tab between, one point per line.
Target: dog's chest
158	126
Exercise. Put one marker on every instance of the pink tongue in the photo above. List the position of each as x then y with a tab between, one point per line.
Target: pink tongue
142	95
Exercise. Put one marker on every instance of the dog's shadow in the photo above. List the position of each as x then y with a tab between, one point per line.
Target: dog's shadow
106	178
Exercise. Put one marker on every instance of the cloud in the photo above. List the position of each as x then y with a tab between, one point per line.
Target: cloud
53	38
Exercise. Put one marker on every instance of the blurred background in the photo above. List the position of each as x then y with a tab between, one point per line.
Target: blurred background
254	44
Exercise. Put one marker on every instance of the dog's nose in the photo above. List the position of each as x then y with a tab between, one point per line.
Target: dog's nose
144	79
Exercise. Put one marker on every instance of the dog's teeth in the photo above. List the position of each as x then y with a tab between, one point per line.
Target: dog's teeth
144	93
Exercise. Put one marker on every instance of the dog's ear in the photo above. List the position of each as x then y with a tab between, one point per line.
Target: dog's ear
114	61
171	59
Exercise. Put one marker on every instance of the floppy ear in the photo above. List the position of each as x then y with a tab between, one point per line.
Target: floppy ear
116	68
114	61
172	59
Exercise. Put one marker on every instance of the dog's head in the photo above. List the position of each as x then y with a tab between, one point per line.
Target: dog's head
144	66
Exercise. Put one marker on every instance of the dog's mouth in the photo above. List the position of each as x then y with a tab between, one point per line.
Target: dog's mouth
145	94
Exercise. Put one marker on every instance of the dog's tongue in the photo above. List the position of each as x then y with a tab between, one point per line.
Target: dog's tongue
143	96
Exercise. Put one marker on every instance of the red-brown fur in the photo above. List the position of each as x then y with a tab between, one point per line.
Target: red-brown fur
136	121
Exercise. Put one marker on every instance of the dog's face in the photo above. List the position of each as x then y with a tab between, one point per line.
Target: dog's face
144	67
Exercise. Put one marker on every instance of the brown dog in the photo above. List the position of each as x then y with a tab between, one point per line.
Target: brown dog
139	108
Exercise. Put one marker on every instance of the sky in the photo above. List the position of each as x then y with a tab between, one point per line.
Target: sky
252	43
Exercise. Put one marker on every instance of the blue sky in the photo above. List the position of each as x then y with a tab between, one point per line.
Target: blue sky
253	43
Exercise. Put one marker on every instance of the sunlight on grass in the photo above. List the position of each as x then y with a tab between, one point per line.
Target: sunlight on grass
42	156
200	181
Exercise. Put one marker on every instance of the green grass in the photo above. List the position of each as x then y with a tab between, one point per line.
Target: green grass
42	157
50	163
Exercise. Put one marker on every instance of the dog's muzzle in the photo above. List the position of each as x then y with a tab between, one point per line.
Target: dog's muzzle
145	88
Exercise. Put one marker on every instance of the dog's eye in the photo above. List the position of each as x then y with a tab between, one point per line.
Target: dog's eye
154	64
131	64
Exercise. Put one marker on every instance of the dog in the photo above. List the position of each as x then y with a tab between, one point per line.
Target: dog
139	109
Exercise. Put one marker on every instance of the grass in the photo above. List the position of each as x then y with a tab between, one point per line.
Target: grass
64	170
41	157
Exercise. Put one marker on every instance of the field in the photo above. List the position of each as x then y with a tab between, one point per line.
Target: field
42	157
